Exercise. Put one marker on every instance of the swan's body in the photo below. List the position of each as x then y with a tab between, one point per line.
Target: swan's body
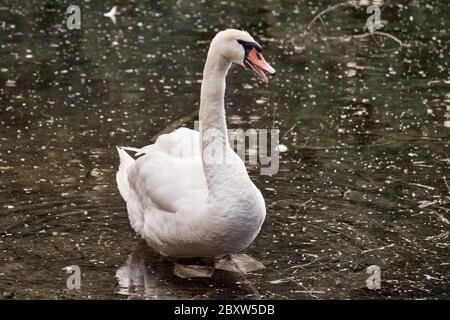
182	200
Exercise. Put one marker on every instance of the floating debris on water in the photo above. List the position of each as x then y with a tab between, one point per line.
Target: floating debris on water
112	14
10	83
281	148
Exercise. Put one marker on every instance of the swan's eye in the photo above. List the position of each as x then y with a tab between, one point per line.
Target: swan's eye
245	44
258	56
249	46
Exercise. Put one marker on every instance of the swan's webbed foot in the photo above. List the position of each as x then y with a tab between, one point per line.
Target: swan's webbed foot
241	263
193	271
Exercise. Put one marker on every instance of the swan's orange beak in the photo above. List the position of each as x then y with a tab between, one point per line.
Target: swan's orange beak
255	61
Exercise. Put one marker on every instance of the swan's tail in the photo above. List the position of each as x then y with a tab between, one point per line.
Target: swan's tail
122	175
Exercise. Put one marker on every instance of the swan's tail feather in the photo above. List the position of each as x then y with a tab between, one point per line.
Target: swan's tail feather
139	151
122	175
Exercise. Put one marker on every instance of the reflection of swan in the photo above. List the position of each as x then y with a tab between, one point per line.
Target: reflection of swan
149	275
192	198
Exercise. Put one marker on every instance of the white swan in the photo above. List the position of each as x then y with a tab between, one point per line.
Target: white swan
192	197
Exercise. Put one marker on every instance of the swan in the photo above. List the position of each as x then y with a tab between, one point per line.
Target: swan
189	194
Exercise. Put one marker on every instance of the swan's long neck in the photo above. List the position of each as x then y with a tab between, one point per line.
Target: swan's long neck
212	110
213	128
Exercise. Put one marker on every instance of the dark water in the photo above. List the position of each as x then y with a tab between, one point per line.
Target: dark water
365	180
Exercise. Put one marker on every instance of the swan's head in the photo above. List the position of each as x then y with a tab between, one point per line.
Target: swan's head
240	48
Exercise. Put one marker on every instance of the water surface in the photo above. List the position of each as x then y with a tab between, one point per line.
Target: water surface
365	180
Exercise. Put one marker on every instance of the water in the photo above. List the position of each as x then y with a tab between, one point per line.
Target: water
365	121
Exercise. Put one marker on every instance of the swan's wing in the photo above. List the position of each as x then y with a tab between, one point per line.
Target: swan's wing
169	176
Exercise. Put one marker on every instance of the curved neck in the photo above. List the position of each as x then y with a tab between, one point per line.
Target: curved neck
212	110
213	128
